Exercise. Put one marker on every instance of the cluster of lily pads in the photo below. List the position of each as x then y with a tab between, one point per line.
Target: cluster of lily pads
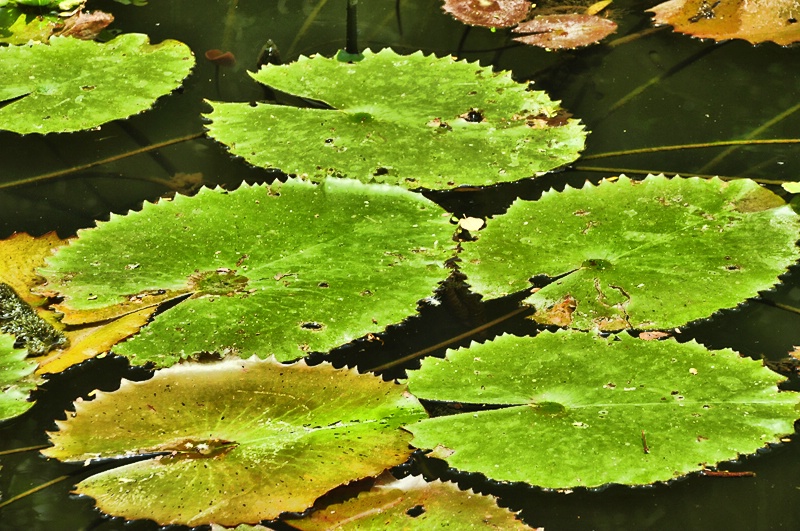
263	275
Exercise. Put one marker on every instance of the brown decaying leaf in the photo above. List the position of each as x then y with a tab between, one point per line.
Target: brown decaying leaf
560	314
85	26
562	32
752	20
488	13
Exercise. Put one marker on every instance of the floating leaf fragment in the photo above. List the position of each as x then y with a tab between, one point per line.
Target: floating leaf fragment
488	13
579	409
238	441
755	21
652	254
563	32
414	121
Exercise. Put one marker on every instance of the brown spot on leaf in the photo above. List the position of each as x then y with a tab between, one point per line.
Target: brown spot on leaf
560	314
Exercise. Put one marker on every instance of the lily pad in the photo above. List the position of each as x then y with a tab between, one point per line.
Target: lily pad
416	121
16	378
755	21
411	504
488	13
244	440
649	254
281	270
584	410
564	32
71	84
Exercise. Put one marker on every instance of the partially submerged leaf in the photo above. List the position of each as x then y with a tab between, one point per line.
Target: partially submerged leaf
72	84
653	254
488	13
413	504
242	440
281	270
16	378
584	410
752	20
565	31
416	121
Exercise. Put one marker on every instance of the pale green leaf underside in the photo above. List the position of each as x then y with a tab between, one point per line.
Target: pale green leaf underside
411	504
276	437
578	404
396	119
72	84
16	379
651	254
284	270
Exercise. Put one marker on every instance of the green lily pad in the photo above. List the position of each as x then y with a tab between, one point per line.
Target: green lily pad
584	410
645	254
72	84
416	121
281	270
16	378
244	440
411	504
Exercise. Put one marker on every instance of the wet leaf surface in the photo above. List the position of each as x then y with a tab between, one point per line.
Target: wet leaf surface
583	410
408	120
654	254
280	270
246	439
71	84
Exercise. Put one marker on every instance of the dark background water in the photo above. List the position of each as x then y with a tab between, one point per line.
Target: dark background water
705	92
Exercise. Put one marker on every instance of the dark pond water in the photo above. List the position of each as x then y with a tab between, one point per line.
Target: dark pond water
704	92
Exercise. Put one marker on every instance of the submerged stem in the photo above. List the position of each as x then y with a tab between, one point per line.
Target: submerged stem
749	138
32	491
107	160
660	77
304	28
452	340
24	449
699	145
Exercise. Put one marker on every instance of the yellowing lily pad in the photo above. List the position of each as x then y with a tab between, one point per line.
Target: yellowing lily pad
237	441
